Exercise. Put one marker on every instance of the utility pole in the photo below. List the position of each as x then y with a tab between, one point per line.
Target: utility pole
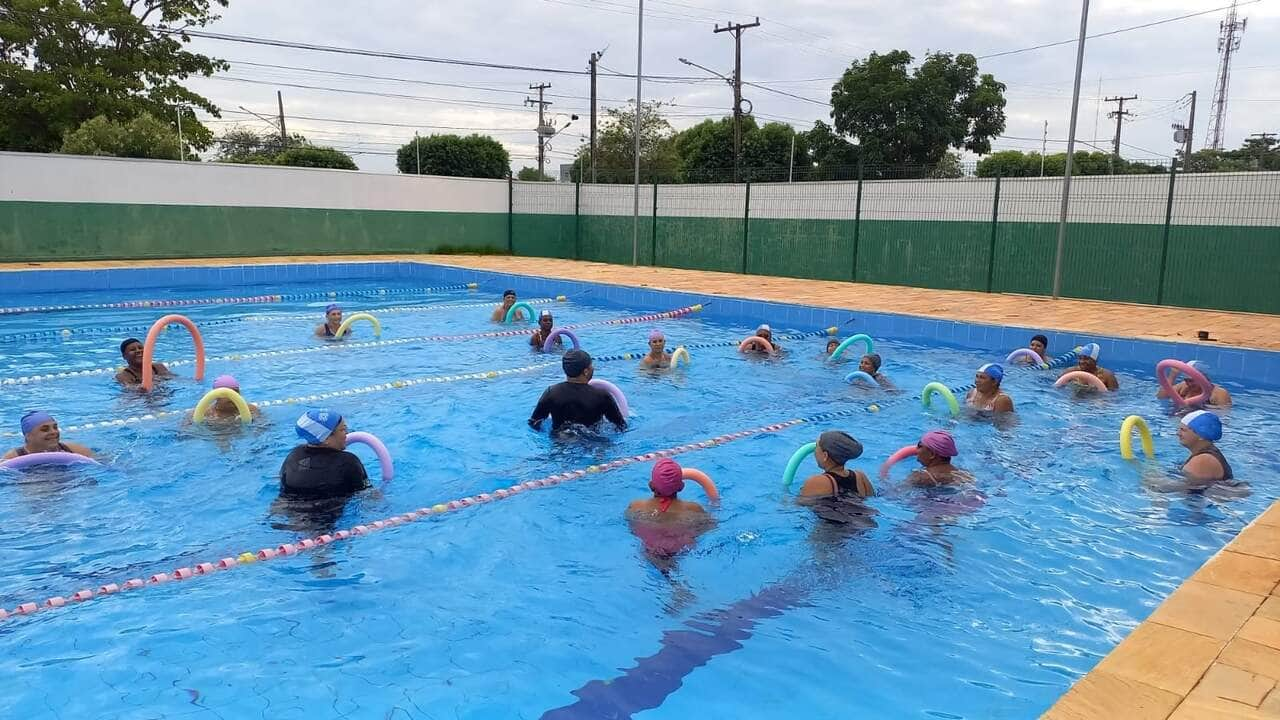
595	59
1071	149
1119	114
1044	146
1182	134
417	150
182	148
543	130
736	29
284	136
1229	32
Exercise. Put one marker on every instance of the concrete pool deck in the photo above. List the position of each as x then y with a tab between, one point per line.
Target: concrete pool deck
1247	330
1212	648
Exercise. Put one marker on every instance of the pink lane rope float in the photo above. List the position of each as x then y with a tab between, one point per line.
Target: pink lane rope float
287	549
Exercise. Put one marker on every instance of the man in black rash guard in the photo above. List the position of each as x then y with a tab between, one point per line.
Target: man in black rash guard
574	400
322	467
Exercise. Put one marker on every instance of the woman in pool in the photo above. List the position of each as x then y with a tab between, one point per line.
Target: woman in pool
332	321
658	356
870	364
986	394
224	409
935	451
1039	345
666	524
40	434
765	333
1189	388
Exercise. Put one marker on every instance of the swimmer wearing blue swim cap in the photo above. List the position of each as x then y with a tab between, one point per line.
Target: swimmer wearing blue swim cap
321	467
1088	362
986	394
332	321
1197	432
40	434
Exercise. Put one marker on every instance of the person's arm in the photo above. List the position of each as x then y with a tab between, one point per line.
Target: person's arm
535	340
124	377
1003	403
355	475
1109	379
1204	468
1220	396
1162	393
541	411
320	330
613	414
79	449
161	371
10	455
865	488
816	486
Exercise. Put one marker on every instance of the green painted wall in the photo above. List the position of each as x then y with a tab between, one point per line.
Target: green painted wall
89	231
543	235
924	253
818	249
1232	268
608	238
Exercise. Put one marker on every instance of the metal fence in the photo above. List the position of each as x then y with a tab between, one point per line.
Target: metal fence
1198	240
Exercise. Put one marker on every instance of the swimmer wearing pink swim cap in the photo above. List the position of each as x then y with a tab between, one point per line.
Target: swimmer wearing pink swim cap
658	357
224	409
935	452
666	524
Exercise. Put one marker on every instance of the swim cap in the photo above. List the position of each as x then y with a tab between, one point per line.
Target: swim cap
841	446
875	360
1202	366
575	362
765	328
1092	350
35	419
941	443
1205	424
667	478
127	343
226	381
656	335
331	307
506	293
315	426
1043	340
994	371
544	314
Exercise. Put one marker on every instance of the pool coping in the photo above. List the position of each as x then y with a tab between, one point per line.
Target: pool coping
1210	650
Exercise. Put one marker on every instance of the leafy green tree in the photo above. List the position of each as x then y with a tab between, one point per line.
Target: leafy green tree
531	174
705	150
615	148
478	156
315	157
141	137
1257	153
248	146
949	167
830	156
64	62
906	117
1011	163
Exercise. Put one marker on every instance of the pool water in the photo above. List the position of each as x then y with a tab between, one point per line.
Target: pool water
543	604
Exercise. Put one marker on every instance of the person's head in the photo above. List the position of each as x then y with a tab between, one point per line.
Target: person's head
657	341
1088	361
937	446
1039	343
545	320
666	479
1203	368
766	332
333	314
988	378
323	427
1198	428
832	345
870	363
508	298
228	382
835	448
40	431
577	365
131	351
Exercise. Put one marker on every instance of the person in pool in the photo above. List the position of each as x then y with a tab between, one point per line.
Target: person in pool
1189	388
1039	345
666	481
833	451
766	333
321	467
575	401
40	434
545	324
1088	362
1197	432
986	394
870	364
658	356
332	321
500	312
935	451
831	346
224	409
131	373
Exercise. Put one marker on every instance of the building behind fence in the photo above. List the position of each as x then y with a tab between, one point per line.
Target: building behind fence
1208	241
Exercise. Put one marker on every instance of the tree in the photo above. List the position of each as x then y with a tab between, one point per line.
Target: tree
532	174
1011	163
615	148
1257	153
141	137
949	167
478	156
315	157
248	146
830	156
912	118
64	62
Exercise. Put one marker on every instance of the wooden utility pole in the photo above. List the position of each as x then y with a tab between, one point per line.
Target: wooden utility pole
736	29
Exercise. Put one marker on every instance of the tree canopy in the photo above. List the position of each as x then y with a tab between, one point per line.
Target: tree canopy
478	156
615	148
1257	153
532	174
64	62
1012	163
142	137
912	117
251	147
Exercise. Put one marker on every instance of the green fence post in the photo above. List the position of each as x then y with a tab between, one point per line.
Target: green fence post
577	220
746	226
995	219
1168	219
653	229
857	223
511	209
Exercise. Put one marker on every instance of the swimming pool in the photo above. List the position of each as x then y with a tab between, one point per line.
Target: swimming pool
541	604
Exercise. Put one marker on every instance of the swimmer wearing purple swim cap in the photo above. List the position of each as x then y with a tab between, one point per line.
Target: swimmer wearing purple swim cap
223	408
332	321
934	452
40	434
657	357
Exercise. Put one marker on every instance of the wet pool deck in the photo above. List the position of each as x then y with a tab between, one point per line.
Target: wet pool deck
1211	650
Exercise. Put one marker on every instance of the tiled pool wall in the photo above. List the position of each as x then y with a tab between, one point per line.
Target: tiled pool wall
1256	368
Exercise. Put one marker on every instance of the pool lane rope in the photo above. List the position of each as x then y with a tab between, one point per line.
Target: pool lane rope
126	330
435	511
331	347
187	302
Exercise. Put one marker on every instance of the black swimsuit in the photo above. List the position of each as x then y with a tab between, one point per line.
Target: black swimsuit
134	373
1215	452
20	451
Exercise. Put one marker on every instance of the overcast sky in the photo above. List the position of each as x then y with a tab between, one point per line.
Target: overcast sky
800	47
